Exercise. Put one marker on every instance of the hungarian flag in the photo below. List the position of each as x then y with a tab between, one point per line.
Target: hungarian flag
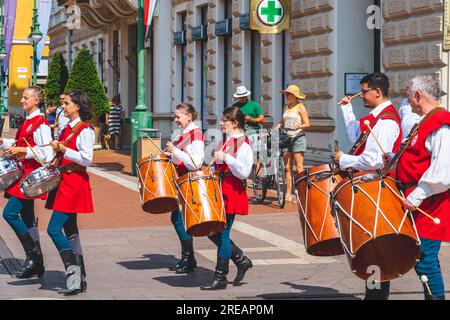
149	11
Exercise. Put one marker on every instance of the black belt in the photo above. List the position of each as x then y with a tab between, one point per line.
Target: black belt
69	168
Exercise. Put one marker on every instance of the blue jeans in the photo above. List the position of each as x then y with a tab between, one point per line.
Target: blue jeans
430	267
222	239
58	221
19	213
177	221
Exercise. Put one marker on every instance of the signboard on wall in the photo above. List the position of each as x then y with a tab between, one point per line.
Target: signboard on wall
446	44
270	16
353	83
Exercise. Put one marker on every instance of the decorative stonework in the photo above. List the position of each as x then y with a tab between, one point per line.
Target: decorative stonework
311	67
412	35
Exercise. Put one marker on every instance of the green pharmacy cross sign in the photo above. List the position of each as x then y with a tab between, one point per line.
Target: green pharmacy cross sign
271	12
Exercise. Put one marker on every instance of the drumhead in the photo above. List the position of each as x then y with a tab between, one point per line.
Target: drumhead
358	179
393	255
312	172
195	176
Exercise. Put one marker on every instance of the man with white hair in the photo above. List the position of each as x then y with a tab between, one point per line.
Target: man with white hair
424	170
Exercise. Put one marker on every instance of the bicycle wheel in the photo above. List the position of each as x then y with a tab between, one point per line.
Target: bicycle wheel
260	182
280	181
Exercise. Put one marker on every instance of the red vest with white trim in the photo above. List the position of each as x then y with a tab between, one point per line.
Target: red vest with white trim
26	130
74	193
234	194
411	167
185	140
389	113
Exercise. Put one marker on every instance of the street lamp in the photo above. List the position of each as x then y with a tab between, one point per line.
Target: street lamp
34	38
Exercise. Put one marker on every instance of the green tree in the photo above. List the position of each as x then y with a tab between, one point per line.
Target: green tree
84	77
57	78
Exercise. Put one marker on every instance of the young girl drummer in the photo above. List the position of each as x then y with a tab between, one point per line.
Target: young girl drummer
187	154
234	160
19	211
73	196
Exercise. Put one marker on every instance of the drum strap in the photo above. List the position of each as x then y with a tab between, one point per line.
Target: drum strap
408	141
73	132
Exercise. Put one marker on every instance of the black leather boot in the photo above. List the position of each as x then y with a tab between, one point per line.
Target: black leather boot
220	275
73	272
242	263
378	294
187	263
34	262
80	263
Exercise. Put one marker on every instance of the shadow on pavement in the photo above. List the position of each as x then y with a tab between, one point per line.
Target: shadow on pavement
51	281
110	166
155	261
308	293
196	279
199	277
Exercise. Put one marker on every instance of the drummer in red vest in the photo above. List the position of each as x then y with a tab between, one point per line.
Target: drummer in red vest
19	211
73	196
187	154
234	160
424	170
385	123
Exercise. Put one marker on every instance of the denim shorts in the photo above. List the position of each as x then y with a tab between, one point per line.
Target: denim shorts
298	146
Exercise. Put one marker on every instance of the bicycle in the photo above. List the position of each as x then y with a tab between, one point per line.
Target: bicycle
269	171
15	120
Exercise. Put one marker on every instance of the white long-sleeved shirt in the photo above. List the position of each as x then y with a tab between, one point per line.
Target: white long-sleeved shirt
196	150
240	165
42	136
387	132
408	117
61	119
436	179
85	145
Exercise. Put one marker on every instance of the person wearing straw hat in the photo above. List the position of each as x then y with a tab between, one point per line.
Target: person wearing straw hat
254	115
295	120
19	211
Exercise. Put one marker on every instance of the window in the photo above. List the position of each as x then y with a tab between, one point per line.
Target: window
204	71
227	59
183	57
256	66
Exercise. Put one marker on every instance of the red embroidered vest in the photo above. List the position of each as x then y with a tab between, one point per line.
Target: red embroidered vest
412	165
26	131
389	113
185	140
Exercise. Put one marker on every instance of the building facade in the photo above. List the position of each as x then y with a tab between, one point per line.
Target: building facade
21	59
199	51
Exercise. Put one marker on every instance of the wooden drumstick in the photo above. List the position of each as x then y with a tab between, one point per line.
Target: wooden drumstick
352	97
367	124
435	220
424	280
192	159
34	153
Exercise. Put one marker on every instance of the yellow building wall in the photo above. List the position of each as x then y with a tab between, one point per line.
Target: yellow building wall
20	63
